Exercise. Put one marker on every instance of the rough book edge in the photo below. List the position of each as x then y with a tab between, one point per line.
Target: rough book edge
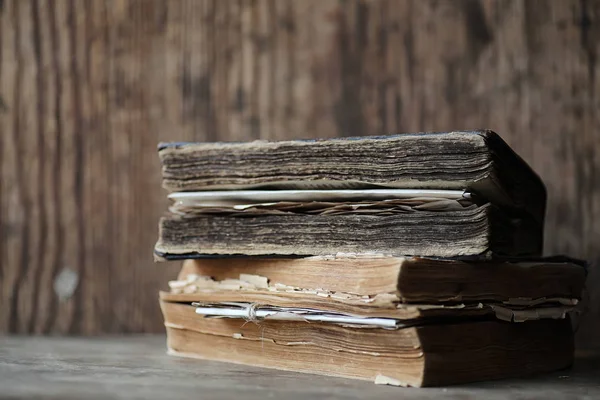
492	184
175	353
176	145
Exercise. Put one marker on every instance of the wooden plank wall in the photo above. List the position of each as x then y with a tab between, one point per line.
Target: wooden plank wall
88	88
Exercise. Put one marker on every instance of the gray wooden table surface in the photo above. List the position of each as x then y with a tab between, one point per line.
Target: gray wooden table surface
137	367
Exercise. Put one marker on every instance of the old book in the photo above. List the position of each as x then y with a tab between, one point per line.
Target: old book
469	231
400	288
410	279
477	161
460	194
433	353
404	321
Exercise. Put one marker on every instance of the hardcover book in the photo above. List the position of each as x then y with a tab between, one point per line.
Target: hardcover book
457	194
402	321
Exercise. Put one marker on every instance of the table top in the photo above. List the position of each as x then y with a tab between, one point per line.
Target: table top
119	367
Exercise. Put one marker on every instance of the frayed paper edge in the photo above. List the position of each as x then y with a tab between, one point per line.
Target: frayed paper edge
386	380
511	315
194	283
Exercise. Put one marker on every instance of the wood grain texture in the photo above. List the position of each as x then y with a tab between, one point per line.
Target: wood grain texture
137	367
88	88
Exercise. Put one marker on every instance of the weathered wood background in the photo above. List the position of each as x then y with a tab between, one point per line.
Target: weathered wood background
88	88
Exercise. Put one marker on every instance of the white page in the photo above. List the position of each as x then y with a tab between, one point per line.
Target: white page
246	197
252	312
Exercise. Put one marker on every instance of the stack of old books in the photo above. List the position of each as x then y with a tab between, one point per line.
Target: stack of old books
411	259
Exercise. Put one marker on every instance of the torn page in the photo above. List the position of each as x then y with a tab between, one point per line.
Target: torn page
530	314
386	380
